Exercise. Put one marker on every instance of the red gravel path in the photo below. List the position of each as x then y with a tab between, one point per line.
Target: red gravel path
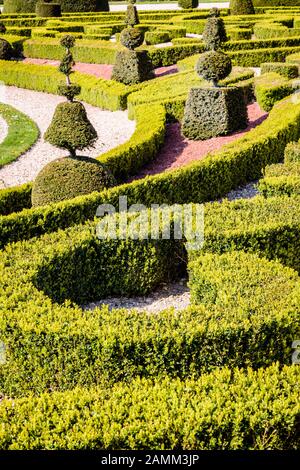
98	70
178	151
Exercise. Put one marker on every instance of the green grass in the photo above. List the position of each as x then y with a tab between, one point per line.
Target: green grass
22	134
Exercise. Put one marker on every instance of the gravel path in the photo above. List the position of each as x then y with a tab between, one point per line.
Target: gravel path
178	151
3	129
175	295
114	128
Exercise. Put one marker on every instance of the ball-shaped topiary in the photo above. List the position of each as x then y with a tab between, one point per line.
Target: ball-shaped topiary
241	7
214	66
68	177
214	33
188	4
132	38
6	51
70	128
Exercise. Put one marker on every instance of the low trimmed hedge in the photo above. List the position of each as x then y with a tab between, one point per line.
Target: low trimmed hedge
220	411
15	199
280	186
272	87
284	69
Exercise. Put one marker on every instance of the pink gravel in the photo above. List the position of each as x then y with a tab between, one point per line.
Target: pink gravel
97	70
178	151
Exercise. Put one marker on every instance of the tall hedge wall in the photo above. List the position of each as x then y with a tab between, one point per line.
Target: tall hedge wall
28	6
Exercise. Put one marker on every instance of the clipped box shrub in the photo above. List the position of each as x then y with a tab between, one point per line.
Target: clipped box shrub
28	6
292	152
47	10
210	112
228	410
6	51
156	37
241	7
66	178
237	34
188	4
15	199
284	69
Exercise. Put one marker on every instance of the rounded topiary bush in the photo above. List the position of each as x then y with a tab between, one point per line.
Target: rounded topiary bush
6	51
28	6
70	128
241	7
187	4
132	38
214	66
48	10
68	177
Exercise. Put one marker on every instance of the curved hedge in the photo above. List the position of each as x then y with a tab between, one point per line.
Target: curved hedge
28	6
47	275
163	414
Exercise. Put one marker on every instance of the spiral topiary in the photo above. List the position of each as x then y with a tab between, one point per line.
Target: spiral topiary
214	66
241	7
66	178
131	38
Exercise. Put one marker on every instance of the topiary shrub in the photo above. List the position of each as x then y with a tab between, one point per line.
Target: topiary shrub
28	6
66	67
132	17
70	128
132	67
6	51
47	10
188	4
241	7
2	28
66	178
213	66
210	112
214	33
131	38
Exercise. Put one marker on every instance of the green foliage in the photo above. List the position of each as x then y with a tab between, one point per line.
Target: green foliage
237	34
69	177
284	69
241	7
15	199
131	38
132	67
292	152
214	33
210	112
187	4
6	51
265	30
271	88
47	10
70	128
213	66
131	17
21	6
22	134
202	414
156	37
2	28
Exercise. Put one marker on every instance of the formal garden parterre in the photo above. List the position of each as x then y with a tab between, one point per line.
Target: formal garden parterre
221	373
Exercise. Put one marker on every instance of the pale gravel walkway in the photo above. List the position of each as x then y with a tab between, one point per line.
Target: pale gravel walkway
114	128
3	129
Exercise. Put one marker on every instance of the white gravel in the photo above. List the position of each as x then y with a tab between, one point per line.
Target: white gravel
3	129
114	128
175	295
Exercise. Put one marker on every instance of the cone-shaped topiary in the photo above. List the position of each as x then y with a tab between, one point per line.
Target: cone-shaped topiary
241	7
6	51
70	128
46	9
214	33
132	38
213	66
188	4
66	178
132	17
